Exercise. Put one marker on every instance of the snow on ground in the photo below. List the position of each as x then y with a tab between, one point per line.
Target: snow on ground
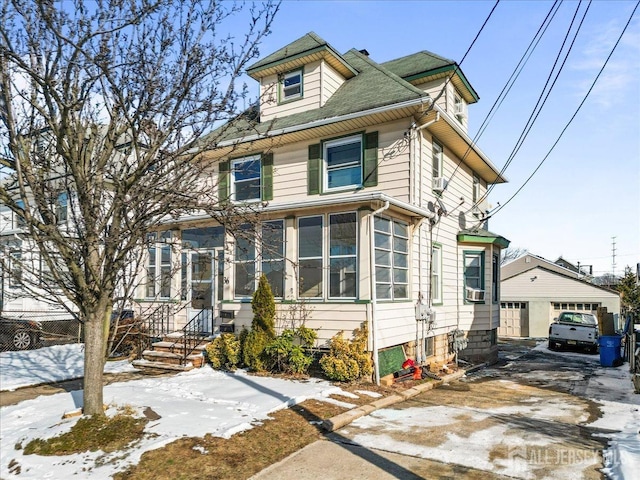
189	404
46	365
206	401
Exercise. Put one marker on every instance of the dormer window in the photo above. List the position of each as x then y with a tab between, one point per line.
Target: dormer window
291	86
460	108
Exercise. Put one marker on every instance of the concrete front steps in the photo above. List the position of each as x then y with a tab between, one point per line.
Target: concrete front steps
167	354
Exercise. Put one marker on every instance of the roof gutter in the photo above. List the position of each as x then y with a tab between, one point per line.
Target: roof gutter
327	121
468	140
359	197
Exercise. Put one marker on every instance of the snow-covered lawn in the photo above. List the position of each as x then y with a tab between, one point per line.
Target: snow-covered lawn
189	404
46	365
206	401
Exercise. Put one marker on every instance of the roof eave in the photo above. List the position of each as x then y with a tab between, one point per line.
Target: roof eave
342	66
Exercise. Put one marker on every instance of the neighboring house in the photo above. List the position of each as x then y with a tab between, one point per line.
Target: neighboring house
366	184
534	291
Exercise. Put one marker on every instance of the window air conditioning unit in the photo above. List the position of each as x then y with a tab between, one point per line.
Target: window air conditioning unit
474	295
439	184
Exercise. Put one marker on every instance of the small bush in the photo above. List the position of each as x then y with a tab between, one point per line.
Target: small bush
347	360
224	352
253	350
264	308
290	352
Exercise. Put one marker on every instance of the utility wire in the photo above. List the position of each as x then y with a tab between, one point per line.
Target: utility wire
510	83
574	114
457	66
542	101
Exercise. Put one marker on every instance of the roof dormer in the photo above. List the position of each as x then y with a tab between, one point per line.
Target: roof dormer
299	77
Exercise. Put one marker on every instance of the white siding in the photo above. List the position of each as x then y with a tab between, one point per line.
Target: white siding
331	81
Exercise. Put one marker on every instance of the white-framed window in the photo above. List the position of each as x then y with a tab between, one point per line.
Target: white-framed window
291	85
495	278
62	208
272	252
256	252
459	108
436	274
245	262
19	220
245	179
391	238
310	256
437	153
15	268
475	192
343	255
473	272
159	272
340	259
343	163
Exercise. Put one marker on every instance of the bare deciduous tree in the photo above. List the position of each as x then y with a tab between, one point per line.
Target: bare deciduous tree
105	107
509	254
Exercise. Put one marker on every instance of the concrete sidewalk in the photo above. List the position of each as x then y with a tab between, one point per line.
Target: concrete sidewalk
310	463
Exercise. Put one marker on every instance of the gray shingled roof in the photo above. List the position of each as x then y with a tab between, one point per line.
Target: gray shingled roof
373	87
417	63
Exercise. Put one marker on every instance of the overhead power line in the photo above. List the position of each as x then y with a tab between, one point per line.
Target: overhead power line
524	59
575	113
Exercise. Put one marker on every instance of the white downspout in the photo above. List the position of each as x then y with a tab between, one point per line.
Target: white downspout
372	267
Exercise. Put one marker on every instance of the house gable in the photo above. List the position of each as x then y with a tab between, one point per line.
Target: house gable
300	76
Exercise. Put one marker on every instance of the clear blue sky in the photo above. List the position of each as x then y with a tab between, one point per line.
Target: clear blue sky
588	189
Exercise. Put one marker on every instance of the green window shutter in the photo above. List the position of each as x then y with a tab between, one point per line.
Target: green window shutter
313	170
223	182
370	167
267	176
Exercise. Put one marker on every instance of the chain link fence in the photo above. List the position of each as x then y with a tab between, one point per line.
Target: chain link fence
24	330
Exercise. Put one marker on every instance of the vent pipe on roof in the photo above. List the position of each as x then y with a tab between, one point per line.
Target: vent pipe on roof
364	52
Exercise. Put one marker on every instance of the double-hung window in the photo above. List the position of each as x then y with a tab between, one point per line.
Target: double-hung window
272	251
436	274
264	254
343	247
475	189
15	268
473	274
20	221
343	163
495	279
245	185
291	85
340	260
245	261
159	265
310	255
62	207
391	259
436	159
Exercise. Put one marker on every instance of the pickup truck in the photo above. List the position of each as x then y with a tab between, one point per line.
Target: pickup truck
574	329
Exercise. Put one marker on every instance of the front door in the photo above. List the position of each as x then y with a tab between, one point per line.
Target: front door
204	282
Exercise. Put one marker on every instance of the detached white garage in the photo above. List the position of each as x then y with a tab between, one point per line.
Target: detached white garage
532	298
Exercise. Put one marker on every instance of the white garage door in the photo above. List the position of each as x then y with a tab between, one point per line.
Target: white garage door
514	319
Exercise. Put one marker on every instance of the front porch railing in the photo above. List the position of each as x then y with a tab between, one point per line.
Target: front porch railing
195	331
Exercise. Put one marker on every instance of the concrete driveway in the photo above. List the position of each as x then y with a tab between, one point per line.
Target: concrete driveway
529	417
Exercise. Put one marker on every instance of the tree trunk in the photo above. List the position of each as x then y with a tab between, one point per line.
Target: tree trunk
94	354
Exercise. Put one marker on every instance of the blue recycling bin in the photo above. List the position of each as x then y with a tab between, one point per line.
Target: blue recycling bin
610	350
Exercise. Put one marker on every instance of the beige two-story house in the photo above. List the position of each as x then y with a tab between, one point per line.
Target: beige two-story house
370	196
